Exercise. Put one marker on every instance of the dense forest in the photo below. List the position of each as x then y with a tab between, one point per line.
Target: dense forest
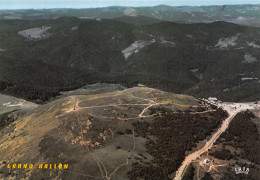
207	176
169	137
189	174
182	58
243	135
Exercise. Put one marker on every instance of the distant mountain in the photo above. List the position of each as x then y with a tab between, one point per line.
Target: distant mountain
41	58
239	14
98	79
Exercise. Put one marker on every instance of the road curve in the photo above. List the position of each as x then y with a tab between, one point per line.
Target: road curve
232	110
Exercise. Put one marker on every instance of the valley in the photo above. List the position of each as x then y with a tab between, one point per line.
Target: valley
162	55
130	93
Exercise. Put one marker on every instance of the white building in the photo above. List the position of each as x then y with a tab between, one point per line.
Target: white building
6	104
206	161
212	99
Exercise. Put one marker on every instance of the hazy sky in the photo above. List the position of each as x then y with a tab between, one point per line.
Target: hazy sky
40	4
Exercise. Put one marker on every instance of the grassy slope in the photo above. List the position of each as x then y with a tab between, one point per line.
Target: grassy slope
55	136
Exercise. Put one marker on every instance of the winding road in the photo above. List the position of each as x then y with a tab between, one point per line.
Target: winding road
232	109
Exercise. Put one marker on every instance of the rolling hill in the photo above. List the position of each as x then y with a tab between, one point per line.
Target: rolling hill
240	14
112	135
40	58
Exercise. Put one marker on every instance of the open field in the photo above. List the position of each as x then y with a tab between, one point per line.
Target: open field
97	127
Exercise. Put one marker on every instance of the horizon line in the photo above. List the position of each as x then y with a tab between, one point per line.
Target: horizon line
128	7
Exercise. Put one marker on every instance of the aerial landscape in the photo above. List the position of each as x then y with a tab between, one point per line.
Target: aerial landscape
130	92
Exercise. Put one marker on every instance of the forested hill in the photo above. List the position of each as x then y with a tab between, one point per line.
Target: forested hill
40	58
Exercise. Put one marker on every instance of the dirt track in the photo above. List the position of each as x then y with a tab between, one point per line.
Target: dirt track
232	109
